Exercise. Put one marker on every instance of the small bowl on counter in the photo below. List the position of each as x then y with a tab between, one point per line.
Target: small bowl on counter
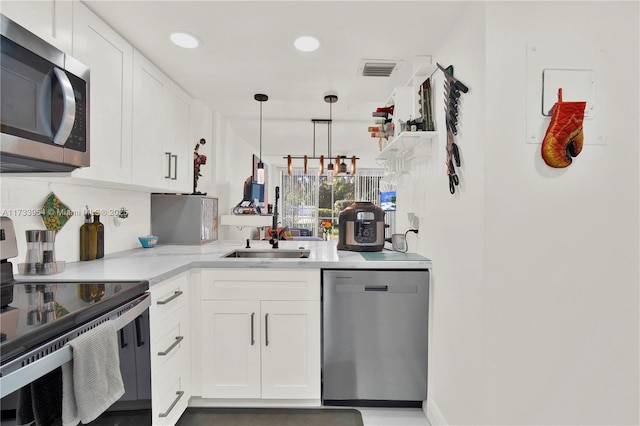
149	241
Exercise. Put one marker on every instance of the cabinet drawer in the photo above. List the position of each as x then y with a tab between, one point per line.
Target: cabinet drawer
260	284
170	401
168	297
169	341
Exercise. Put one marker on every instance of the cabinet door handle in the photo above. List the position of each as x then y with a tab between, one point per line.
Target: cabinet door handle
175	167
266	329
139	341
173	345
168	154
165	301
123	343
253	340
173	404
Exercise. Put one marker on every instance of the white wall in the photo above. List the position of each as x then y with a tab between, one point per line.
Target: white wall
535	281
21	197
451	231
233	164
561	298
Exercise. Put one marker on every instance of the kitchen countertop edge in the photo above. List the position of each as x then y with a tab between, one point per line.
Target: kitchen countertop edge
164	262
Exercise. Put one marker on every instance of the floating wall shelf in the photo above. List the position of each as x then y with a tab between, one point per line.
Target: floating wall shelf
404	142
242	220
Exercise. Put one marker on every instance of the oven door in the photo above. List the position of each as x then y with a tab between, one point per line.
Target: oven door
33	367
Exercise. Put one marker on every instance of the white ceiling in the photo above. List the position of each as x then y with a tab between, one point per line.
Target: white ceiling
247	48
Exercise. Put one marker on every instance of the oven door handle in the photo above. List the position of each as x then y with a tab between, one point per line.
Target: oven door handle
16	379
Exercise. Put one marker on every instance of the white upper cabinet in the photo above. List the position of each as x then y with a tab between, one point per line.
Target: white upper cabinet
178	139
150	163
110	59
161	130
50	20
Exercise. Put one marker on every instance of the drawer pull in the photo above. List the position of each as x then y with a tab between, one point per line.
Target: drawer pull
173	345
266	329
164	302
173	404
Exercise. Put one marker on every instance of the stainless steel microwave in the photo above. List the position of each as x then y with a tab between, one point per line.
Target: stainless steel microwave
44	105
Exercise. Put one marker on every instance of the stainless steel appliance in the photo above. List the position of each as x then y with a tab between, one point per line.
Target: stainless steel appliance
361	227
184	219
38	318
374	338
44	103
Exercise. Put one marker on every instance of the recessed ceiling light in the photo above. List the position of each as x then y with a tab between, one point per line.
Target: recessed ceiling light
182	39
306	43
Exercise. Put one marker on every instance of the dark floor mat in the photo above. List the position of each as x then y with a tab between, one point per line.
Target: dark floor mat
270	417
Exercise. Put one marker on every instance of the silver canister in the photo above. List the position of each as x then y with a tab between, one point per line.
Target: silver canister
33	261
48	239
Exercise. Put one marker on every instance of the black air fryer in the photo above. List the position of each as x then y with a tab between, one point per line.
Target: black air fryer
361	227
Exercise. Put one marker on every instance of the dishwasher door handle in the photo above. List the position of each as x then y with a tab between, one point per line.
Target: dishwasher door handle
376	288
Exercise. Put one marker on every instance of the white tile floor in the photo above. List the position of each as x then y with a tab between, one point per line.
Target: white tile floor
393	416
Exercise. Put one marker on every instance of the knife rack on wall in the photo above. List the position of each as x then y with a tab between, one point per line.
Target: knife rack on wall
454	89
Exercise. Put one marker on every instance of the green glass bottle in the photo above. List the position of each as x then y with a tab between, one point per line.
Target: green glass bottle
99	231
88	243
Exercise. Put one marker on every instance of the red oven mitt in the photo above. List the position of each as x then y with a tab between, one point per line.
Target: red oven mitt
564	137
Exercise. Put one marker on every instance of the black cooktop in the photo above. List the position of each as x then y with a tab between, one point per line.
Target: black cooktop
41	311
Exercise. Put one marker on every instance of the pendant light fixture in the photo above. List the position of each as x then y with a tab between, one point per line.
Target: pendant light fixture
260	178
333	168
331	98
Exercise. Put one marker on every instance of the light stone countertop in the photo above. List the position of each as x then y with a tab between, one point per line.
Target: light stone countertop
164	261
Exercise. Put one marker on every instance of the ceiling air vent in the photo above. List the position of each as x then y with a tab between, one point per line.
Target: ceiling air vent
377	67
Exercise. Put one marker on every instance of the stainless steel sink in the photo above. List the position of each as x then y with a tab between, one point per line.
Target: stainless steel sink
269	254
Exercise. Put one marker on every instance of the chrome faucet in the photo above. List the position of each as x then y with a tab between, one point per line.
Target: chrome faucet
275	236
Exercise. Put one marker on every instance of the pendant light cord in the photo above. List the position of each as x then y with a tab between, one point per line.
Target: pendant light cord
260	131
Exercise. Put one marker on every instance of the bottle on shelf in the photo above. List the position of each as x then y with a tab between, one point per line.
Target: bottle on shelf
88	239
99	231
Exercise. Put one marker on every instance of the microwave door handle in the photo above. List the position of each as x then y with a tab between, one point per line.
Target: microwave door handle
68	109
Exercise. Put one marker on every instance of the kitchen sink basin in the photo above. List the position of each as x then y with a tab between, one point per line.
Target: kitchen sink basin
269	254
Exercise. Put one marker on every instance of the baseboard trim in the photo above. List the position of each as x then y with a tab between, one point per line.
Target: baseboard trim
196	401
433	413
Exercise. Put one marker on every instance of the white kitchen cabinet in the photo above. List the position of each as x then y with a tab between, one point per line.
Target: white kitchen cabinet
291	349
170	349
51	20
231	344
260	334
178	139
161	130
110	59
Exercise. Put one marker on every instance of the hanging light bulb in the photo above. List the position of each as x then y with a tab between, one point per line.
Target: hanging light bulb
305	167
260	178
330	174
353	165
289	165
343	166
321	168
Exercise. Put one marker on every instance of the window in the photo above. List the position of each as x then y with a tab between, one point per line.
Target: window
308	201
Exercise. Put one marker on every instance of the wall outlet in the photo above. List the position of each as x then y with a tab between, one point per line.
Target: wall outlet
413	220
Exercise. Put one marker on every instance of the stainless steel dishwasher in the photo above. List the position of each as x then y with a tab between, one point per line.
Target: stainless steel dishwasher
375	326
